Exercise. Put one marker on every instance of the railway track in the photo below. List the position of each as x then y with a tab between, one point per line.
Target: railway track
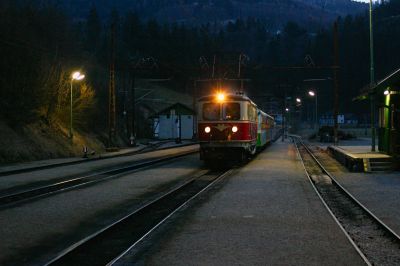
108	245
50	166
11	199
376	243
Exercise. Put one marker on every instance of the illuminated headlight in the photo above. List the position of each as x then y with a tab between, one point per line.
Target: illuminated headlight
220	97
234	129
207	130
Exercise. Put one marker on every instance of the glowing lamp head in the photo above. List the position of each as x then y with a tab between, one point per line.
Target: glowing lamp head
207	130
287	109
234	129
298	100
77	76
311	93
220	97
386	92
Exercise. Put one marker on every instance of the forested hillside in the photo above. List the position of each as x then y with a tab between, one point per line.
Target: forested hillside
40	46
275	13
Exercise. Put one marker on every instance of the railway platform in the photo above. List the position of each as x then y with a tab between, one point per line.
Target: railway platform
356	156
266	214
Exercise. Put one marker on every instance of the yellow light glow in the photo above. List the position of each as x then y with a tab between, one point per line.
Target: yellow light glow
220	97
207	130
234	129
77	76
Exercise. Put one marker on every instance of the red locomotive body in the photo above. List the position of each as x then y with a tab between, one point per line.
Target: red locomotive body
228	127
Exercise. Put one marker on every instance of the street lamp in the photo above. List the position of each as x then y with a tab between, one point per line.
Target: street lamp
372	76
75	76
314	94
298	100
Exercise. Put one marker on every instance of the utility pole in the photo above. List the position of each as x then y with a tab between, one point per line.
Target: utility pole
132	139
372	76
213	68
283	114
336	81
194	108
111	103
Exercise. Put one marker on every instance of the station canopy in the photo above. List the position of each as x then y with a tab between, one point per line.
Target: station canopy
391	82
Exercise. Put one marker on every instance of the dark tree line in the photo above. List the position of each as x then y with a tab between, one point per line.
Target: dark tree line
41	46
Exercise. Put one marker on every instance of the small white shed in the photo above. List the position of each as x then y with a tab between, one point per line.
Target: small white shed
175	122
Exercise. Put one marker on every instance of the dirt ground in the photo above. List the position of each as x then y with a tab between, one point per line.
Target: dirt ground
40	141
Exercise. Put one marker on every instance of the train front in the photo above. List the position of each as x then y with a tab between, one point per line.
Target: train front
227	127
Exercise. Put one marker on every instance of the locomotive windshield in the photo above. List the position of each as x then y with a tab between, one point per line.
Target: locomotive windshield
231	111
212	111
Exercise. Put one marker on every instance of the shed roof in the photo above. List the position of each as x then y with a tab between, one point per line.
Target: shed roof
381	86
180	109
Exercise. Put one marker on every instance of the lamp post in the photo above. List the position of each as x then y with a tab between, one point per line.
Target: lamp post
372	76
314	94
75	76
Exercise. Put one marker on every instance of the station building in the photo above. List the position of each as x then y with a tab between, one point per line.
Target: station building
387	99
175	122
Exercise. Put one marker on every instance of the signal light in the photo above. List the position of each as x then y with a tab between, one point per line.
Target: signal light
220	97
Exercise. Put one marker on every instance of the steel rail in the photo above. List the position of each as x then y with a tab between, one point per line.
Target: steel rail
43	191
387	228
360	253
79	250
115	260
55	165
348	195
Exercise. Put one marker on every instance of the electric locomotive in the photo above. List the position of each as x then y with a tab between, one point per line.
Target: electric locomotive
231	127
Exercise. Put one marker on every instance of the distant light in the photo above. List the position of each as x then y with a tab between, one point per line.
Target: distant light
298	100
311	93
234	129
220	97
386	92
207	130
287	109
